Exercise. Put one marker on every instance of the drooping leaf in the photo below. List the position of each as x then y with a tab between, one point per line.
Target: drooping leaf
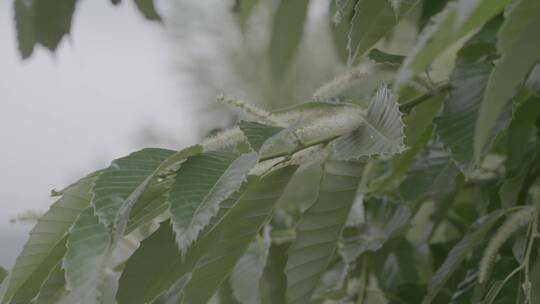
222	245
382	57
519	132
243	9
458	253
53	290
247	273
148	9
46	243
24	24
381	131
125	181
519	50
455	126
319	229
533	82
287	29
383	220
88	247
3	274
274	284
201	184
430	9
372	20
257	134
52	20
153	201
444	31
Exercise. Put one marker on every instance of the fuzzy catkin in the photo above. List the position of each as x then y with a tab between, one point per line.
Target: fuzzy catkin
511	225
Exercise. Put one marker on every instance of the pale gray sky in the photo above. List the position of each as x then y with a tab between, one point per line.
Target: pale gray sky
66	114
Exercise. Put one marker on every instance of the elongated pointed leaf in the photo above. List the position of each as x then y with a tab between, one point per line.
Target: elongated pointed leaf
53	290
52	21
287	29
122	179
257	134
246	275
372	20
319	229
24	25
213	256
87	248
47	239
148	9
455	125
202	183
445	30
274	284
520	50
381	132
477	231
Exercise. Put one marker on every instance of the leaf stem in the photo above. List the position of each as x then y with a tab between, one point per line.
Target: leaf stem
409	105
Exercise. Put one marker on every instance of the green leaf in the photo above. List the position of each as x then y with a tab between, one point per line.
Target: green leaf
383	220
372	20
458	253
53	290
381	57
432	175
520	50
445	30
24	25
319	229
246	275
533	82
287	30
519	132
174	294
3	274
88	247
153	201
243	9
52	20
257	134
455	125
381	132
124	182
148	9
493	291
274	284
341	13
201	184
213	256
46	243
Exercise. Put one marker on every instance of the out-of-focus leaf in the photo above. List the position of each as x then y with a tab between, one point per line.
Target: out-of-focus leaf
257	134
246	275
86	257
201	184
52	20
535	281
432	175
24	24
148	9
429	9
382	57
274	283
341	13
519	51
533	82
319	229
458	253
153	201
519	132
383	220
455	126
444	31
3	274
243	9
287	29
381	132
47	239
372	20
213	256
53	290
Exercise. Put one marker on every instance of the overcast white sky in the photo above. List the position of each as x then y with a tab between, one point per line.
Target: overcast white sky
65	115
